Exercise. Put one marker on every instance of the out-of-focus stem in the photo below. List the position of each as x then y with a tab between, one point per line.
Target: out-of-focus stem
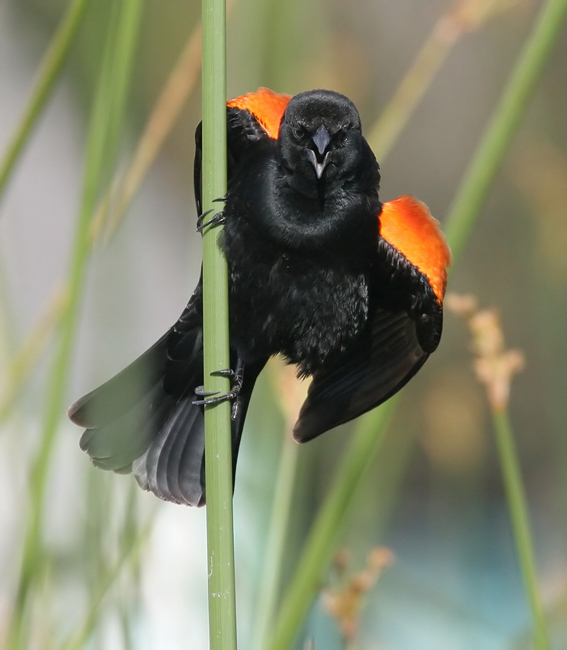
47	76
518	509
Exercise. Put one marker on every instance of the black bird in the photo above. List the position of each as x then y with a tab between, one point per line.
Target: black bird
320	271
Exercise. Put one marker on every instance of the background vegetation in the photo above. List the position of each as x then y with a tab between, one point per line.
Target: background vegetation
430	559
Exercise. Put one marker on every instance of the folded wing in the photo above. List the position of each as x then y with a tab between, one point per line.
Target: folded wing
405	324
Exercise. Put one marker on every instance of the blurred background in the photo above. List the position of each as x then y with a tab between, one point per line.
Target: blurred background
120	569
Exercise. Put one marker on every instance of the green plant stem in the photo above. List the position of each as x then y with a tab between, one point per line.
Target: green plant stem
47	76
218	460
504	123
518	509
104	126
276	544
329	525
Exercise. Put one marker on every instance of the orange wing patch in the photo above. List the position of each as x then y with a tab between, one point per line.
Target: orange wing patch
267	107
408	225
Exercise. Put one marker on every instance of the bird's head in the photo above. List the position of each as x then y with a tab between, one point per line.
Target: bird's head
320	140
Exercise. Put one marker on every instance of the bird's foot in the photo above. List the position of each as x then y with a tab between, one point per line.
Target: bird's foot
213	397
217	220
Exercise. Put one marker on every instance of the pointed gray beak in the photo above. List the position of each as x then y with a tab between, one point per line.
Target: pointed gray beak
319	160
321	139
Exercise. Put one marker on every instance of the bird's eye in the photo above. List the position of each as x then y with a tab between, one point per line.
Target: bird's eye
299	131
341	135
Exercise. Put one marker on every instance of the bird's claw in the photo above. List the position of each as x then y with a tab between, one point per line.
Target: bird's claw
201	219
217	220
200	390
213	397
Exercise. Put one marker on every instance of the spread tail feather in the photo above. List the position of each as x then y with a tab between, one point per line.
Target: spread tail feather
144	420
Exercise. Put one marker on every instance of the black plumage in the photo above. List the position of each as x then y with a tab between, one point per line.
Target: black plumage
310	278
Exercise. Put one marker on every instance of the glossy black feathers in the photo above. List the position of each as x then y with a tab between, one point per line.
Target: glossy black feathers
310	278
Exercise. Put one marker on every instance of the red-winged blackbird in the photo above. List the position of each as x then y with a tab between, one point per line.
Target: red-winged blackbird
320	271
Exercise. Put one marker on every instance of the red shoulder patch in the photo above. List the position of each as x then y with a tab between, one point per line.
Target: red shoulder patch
408	225
267	107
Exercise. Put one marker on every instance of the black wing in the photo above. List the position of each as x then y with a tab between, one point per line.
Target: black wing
243	135
405	327
143	420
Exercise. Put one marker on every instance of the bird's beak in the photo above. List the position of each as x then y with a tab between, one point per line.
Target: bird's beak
319	158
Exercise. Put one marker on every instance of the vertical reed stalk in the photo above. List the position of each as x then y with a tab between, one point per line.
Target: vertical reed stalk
218	461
